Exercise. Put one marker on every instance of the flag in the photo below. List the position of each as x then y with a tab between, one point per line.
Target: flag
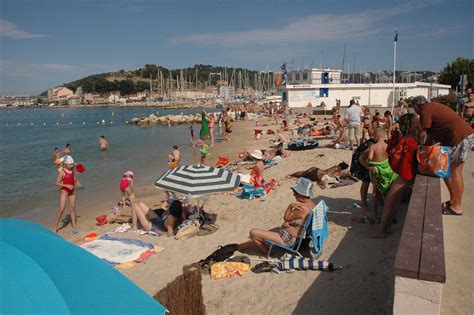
395	39
283	68
204	133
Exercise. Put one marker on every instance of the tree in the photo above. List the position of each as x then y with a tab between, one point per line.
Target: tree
451	73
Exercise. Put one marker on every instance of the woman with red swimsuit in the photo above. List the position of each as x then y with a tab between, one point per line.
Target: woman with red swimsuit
66	182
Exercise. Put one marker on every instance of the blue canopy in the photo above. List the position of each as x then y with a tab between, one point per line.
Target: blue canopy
41	273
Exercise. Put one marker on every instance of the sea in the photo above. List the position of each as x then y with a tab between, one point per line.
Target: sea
29	135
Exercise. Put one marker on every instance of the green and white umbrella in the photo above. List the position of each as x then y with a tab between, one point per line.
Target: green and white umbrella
198	180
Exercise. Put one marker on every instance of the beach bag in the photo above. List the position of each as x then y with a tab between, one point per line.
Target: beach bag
228	269
434	160
250	192
101	219
188	229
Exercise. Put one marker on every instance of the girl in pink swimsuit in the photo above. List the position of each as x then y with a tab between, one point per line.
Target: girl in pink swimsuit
66	182
126	188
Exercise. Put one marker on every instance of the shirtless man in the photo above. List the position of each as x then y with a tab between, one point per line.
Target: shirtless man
316	174
174	157
57	157
67	149
103	144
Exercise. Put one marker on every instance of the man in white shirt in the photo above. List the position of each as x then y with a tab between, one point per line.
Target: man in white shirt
353	115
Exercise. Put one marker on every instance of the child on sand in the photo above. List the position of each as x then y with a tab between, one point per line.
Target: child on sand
375	159
66	182
204	153
126	188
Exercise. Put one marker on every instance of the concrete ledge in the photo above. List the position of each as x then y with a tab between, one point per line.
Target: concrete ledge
414	296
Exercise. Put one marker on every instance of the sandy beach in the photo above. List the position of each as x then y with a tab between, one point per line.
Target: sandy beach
365	283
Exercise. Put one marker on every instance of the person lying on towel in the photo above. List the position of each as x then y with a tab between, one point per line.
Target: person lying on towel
293	220
157	220
316	174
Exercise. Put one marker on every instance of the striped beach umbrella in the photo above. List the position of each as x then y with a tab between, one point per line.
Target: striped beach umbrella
198	180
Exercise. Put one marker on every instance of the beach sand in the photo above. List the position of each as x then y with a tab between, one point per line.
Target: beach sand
364	285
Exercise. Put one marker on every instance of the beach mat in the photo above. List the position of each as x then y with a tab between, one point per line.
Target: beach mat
120	252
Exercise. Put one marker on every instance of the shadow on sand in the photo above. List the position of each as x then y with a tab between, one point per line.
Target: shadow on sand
365	284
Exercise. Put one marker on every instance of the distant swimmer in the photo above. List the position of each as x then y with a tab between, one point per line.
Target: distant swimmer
174	157
57	157
67	149
103	144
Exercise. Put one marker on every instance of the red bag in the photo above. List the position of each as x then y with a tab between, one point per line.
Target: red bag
80	168
101	219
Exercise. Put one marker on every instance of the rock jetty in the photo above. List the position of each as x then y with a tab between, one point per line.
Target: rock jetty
153	119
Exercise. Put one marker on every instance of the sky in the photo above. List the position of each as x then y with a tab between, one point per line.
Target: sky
44	43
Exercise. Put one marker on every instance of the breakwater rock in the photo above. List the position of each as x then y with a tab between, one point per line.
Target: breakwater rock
152	119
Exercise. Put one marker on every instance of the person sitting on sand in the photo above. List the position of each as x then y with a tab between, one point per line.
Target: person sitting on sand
284	126
257	172
293	220
158	220
280	137
103	144
316	174
277	151
375	160
174	157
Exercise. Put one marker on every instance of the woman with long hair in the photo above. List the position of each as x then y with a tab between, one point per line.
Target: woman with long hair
401	150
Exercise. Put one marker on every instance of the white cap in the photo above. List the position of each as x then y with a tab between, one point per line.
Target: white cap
67	159
257	154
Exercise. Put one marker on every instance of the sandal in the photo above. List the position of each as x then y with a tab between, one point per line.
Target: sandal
449	211
446	204
263	267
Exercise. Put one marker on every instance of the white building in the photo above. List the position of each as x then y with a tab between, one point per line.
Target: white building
308	88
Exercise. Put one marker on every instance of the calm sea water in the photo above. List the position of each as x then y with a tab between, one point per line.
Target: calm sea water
28	136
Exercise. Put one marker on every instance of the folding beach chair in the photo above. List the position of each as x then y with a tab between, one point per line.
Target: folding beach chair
315	227
295	249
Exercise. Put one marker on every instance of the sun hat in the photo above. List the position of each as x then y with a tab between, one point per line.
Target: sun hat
257	154
128	173
67	159
418	101
204	149
304	187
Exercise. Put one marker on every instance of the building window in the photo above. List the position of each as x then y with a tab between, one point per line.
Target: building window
324	92
305	76
297	76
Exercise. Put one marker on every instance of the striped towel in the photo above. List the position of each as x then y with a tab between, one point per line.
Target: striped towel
306	264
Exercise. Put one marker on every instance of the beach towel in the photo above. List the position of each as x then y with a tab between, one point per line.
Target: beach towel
118	251
228	269
222	161
383	176
204	133
319	229
306	264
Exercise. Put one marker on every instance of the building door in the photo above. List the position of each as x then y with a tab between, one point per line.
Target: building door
325	78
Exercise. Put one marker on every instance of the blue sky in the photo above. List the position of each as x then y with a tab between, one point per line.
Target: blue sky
44	43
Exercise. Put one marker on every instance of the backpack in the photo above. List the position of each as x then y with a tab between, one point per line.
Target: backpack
220	254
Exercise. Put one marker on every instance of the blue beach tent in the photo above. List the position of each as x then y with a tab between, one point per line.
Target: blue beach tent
41	273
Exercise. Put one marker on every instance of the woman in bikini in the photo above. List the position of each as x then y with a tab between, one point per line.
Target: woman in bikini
211	119
67	182
293	220
159	221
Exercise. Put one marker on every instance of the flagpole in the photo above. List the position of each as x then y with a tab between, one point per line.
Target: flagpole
394	65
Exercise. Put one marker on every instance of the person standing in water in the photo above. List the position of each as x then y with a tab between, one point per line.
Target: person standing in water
67	183
67	149
174	157
57	157
103	144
